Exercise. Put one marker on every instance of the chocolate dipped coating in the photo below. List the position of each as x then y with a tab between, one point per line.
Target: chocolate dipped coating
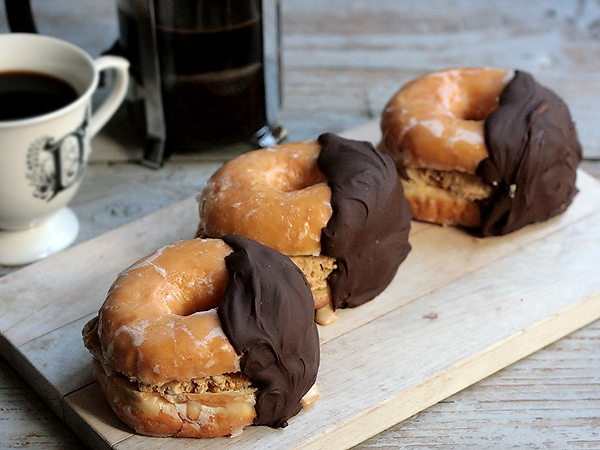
267	313
533	158
368	230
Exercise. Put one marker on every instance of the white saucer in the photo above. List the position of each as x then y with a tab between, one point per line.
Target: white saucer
26	246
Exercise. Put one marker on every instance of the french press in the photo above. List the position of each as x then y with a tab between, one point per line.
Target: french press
206	73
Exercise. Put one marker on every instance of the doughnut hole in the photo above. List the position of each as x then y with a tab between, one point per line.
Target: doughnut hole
181	283
478	108
189	294
297	176
481	97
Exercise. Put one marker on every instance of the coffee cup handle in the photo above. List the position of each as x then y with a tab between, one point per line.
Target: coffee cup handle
117	93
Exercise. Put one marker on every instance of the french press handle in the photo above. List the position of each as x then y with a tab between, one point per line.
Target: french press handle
20	16
154	151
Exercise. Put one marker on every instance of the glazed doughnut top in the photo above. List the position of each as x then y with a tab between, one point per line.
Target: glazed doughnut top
368	230
533	157
267	313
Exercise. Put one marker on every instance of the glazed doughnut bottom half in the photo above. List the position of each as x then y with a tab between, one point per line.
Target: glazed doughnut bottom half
335	206
487	149
176	346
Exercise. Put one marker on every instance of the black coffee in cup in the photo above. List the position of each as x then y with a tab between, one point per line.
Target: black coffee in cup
25	94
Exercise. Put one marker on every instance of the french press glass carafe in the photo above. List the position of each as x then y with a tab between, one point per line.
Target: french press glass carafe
209	70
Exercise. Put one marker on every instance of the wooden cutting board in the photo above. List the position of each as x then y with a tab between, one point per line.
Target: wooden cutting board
459	309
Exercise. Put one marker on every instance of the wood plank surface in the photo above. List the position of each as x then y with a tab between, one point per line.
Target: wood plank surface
342	59
437	329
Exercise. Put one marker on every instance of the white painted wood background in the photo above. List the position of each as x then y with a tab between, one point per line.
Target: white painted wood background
342	59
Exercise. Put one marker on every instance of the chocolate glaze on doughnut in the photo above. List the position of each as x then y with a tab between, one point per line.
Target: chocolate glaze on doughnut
533	157
368	231
267	313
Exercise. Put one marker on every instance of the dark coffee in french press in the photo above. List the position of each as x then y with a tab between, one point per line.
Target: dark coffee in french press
218	66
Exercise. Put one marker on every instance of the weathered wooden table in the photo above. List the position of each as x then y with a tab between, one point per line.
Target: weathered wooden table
342	60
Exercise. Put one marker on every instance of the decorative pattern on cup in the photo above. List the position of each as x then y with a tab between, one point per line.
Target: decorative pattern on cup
56	165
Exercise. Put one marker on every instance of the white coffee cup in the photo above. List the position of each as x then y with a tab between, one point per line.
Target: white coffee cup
42	158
